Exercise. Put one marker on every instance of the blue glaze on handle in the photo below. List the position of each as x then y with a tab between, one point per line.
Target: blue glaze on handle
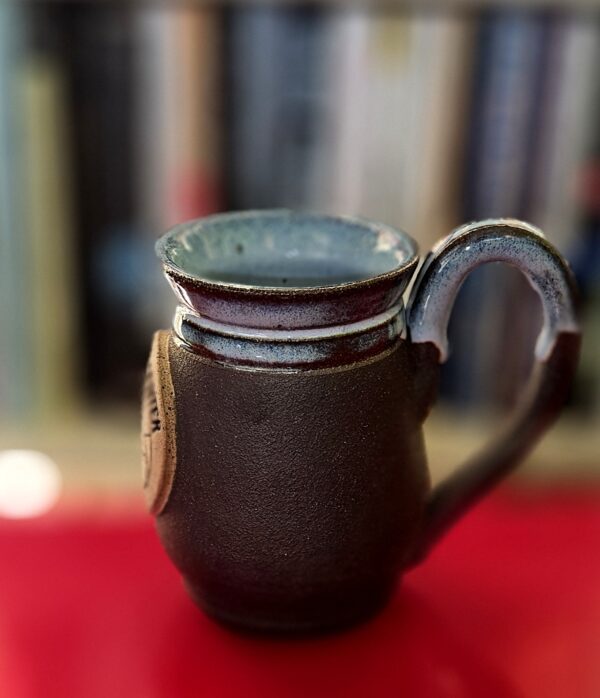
499	240
557	351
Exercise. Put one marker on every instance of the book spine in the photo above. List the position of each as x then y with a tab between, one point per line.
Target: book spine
339	187
98	51
50	244
584	252
395	123
15	329
570	128
438	148
504	113
274	101
178	113
177	141
388	124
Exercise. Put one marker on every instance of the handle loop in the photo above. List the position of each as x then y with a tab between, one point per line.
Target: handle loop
557	349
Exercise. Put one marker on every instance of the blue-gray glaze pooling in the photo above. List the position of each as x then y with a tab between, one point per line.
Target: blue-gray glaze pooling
500	240
288	290
284	289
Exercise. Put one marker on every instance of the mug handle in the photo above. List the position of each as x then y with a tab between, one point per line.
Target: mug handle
556	353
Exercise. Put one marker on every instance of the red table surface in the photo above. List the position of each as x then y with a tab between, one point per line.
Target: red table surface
507	605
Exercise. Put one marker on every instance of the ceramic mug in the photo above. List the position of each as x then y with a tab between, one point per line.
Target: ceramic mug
282	415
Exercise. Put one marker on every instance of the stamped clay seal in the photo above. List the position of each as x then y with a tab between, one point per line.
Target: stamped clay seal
158	426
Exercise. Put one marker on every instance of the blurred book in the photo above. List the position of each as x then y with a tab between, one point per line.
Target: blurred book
496	318
562	139
96	46
562	142
396	123
586	265
585	260
569	112
274	97
48	219
15	302
178	133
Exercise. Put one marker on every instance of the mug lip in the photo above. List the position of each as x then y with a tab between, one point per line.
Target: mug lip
172	238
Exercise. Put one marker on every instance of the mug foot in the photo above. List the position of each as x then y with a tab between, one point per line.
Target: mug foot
361	610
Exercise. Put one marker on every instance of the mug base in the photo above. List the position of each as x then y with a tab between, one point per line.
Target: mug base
248	624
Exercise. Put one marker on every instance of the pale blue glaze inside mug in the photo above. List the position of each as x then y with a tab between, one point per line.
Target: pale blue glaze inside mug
287	289
284	249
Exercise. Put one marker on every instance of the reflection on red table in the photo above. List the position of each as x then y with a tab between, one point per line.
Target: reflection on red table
507	605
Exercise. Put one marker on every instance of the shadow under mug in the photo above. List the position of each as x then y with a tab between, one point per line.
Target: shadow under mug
282	415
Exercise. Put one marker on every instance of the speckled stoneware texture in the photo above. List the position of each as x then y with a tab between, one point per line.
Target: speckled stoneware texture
557	349
502	240
278	288
298	495
283	442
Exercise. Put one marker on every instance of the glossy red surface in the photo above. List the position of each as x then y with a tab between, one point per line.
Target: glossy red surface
507	605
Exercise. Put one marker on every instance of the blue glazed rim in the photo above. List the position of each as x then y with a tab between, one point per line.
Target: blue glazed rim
395	242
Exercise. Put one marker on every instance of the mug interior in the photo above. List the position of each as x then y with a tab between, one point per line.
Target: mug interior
284	249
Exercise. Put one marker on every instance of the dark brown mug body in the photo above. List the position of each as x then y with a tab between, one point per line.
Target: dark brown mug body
297	496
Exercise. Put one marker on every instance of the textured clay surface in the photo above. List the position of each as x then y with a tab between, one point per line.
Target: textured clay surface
298	496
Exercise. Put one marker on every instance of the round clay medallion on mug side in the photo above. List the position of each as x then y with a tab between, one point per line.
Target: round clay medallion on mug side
158	426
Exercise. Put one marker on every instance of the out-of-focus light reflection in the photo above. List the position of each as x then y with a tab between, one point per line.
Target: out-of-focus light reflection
30	483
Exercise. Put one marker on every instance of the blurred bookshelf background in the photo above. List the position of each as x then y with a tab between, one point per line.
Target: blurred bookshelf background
119	120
